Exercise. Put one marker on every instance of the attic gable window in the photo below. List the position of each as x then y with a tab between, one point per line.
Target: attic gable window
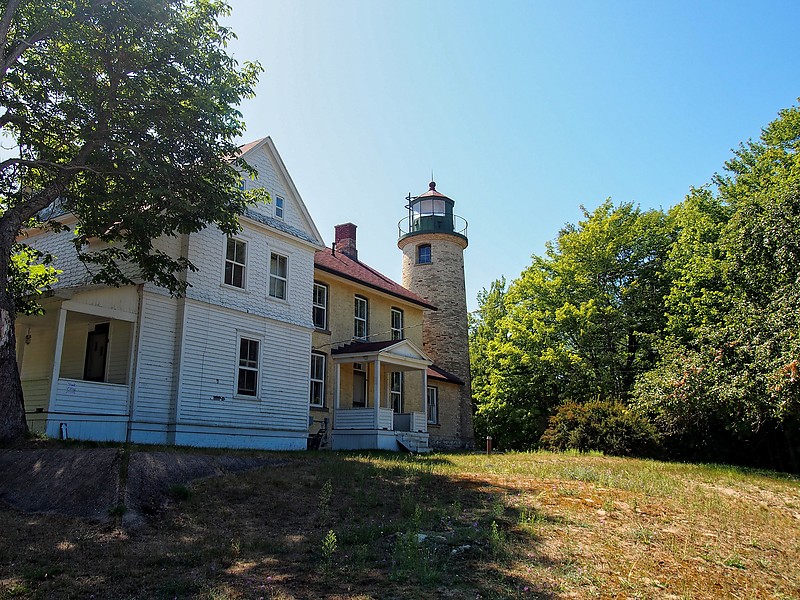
235	263
279	203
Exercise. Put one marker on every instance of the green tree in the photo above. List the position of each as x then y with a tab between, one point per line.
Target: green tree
579	322
482	330
122	113
727	385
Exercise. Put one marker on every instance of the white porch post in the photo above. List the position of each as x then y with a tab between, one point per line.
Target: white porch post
377	392
425	392
61	323
337	378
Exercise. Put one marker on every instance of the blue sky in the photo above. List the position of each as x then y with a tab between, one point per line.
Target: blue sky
523	110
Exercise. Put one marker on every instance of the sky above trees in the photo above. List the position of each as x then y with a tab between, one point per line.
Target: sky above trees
523	110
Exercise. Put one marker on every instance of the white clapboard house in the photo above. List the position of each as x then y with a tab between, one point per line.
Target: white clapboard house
225	365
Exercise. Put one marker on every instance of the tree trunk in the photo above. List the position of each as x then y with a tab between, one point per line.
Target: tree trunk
12	409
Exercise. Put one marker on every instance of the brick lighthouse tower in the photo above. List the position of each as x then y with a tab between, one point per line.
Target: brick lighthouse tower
433	240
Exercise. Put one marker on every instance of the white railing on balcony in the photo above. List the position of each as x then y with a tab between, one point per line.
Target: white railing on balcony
363	418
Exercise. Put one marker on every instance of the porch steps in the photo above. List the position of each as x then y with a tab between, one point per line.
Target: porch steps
415	444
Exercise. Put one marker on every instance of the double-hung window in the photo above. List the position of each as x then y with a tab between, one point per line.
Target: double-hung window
235	262
278	275
320	305
396	391
397	324
249	360
317	379
360	318
433	405
279	204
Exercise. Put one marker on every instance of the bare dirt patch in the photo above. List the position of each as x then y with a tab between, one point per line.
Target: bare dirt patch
103	483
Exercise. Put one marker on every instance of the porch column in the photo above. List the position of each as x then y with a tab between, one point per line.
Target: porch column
377	392
425	392
61	323
337	377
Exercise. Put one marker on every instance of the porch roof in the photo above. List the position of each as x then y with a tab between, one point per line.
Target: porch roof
399	353
435	372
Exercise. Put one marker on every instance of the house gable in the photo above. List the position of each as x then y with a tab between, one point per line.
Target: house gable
286	213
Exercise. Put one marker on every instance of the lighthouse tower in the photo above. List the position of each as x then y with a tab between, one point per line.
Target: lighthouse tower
433	240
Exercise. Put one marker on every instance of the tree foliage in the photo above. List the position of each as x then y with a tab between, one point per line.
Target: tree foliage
691	319
577	324
123	112
728	387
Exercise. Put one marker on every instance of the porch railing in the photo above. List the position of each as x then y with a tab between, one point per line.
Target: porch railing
363	418
413	421
91	397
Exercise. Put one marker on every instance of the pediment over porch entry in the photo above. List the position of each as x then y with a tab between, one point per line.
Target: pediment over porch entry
402	355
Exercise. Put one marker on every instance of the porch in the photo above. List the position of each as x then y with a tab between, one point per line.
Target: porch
76	367
381	415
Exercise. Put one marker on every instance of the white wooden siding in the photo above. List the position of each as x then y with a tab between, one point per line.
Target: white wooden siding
207	252
37	400
119	345
157	371
73	355
208	385
37	362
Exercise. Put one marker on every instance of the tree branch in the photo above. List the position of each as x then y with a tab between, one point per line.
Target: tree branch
21	45
5	24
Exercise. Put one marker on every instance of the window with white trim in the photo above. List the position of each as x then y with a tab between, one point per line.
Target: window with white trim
397	324
279	203
248	367
360	318
278	275
319	305
317	379
396	391
235	262
433	405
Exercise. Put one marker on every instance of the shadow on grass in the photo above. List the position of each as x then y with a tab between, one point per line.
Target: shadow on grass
312	525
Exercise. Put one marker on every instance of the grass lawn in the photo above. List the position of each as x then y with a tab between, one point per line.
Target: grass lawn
373	525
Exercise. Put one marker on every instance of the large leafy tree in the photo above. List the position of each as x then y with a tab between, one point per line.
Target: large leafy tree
727	386
578	323
122	113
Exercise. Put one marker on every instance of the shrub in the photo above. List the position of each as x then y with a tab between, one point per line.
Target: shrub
600	425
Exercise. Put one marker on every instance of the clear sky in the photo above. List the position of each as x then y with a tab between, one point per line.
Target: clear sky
523	110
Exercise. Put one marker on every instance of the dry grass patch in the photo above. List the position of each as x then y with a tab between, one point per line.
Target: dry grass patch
325	525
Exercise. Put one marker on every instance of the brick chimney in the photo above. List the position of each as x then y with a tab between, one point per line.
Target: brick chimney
346	240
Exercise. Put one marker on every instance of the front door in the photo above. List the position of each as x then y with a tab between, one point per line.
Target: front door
359	388
94	368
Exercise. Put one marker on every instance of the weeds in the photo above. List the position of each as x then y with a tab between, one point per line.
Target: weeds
329	547
325	495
